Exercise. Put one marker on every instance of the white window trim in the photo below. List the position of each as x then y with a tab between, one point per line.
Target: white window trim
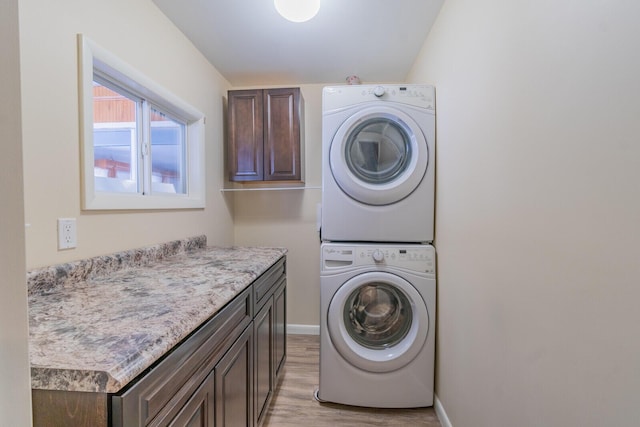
93	56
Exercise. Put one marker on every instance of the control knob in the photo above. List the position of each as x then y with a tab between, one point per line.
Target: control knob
378	91
377	256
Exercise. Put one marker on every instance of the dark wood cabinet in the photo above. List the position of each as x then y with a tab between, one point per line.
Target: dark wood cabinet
180	388
265	135
263	329
245	135
269	325
199	411
234	384
224	399
280	326
223	375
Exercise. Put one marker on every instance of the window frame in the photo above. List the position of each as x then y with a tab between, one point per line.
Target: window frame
94	59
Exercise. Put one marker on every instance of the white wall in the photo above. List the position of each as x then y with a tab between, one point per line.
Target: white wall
538	203
15	387
139	34
288	219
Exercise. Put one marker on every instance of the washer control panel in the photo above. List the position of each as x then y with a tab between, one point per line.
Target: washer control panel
421	258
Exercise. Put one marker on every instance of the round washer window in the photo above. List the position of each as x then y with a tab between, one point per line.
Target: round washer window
377	321
378	150
377	315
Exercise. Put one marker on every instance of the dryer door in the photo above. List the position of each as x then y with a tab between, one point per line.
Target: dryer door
379	155
378	321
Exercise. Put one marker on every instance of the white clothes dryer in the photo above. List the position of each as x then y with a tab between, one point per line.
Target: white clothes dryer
378	163
377	325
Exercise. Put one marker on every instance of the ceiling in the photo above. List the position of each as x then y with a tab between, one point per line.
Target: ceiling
249	43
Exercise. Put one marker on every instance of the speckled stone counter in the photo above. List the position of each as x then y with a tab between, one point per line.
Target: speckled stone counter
96	324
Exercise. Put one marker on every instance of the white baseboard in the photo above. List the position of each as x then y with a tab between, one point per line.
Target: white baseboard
441	413
303	329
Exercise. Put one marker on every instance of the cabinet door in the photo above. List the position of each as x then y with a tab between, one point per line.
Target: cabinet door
234	384
280	328
282	134
264	374
245	150
199	409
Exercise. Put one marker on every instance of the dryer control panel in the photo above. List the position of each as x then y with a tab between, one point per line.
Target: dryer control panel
421	96
418	258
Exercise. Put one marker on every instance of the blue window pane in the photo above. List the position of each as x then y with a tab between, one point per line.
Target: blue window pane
167	154
114	141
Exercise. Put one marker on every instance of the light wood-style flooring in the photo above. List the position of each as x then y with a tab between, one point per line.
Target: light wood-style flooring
294	404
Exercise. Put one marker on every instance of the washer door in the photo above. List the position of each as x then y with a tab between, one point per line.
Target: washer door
379	156
378	321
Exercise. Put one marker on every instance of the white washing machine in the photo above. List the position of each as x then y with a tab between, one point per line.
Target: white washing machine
378	163
377	330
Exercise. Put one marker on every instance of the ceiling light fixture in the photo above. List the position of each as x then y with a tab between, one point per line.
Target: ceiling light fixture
297	10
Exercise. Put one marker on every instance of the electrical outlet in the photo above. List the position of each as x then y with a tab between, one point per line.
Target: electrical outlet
67	233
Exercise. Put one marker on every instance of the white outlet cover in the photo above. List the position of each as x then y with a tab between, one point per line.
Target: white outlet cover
67	234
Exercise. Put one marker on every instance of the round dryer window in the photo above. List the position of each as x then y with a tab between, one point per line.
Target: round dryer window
378	321
379	156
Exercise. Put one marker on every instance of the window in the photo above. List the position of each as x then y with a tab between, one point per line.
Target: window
142	147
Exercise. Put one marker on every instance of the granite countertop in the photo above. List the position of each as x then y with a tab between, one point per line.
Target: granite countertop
96	324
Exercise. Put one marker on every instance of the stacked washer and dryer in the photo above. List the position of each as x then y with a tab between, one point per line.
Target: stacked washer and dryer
377	274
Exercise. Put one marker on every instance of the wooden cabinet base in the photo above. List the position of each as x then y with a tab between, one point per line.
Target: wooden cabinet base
53	408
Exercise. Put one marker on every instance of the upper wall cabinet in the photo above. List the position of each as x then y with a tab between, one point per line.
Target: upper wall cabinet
265	135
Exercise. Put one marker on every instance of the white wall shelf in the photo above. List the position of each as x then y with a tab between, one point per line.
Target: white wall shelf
225	190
